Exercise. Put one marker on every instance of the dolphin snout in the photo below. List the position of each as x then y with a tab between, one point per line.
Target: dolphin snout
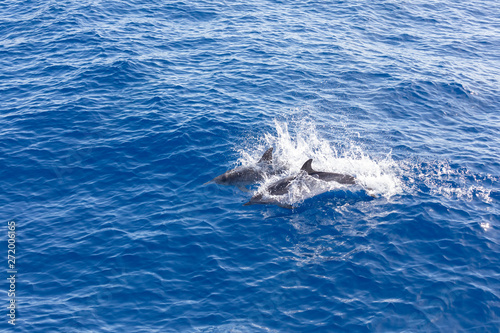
217	180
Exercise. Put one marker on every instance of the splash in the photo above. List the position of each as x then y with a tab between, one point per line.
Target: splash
293	146
297	141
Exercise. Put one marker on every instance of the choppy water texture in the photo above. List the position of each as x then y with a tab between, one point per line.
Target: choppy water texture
114	115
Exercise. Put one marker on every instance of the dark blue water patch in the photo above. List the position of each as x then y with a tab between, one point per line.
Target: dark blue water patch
334	198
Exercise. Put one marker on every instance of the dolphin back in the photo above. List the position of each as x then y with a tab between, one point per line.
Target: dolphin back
336	177
267	157
327	176
307	166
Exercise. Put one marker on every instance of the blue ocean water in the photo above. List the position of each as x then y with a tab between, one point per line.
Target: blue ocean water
115	114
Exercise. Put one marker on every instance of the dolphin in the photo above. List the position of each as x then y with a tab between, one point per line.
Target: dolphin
247	175
282	186
328	176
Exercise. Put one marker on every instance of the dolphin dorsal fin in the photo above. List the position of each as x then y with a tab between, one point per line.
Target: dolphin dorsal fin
267	157
307	167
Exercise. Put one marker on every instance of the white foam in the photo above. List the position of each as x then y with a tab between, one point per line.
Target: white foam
443	180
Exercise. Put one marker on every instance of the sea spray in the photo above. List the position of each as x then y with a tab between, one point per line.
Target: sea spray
296	142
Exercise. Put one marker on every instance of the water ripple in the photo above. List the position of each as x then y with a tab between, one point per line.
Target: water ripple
114	115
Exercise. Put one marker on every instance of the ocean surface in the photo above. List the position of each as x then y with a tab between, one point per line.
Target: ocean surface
114	115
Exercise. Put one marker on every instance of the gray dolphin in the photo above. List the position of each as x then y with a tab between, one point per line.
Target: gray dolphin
328	176
247	175
281	186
